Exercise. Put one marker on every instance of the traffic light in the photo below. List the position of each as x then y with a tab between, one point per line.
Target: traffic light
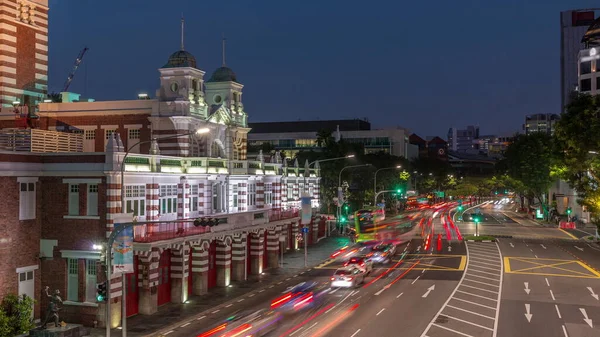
343	219
460	207
569	211
101	291
476	218
399	190
346	207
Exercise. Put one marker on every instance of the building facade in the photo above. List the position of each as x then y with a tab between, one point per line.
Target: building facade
206	215
544	123
293	137
573	25
462	140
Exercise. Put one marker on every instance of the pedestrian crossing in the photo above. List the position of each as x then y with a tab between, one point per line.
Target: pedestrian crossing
472	309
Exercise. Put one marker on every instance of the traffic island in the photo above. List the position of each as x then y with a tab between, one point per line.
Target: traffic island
480	238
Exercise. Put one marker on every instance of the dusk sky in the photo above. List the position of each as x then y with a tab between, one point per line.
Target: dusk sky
423	65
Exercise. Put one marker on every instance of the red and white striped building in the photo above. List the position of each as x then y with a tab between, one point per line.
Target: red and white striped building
65	180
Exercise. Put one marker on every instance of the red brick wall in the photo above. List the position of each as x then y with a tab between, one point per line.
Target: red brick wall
19	240
26	60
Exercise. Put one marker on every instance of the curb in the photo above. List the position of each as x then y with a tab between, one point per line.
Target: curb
480	241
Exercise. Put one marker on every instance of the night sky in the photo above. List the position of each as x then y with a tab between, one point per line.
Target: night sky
424	65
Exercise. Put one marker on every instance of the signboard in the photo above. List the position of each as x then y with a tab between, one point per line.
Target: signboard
305	230
306	209
122	251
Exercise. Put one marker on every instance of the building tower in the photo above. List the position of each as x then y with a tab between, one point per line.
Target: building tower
23	52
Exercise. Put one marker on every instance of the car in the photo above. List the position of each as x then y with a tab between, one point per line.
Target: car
360	262
298	297
347	277
258	323
359	248
382	253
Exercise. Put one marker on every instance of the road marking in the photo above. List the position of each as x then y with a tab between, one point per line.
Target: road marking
399	295
487	284
528	314
451	330
271	286
547	283
557	311
200	318
296	275
527	290
543	246
552	294
422	272
356	292
565	331
481	305
260	291
240	300
415	280
592	293
251	295
465	321
486	261
430	289
334	290
380	291
228	305
488	268
481	289
563	268
354	334
483	277
309	270
214	312
280	282
511	244
296	330
168	332
186	324
302	272
380	311
484	272
289	278
531	250
586	318
469	311
535	256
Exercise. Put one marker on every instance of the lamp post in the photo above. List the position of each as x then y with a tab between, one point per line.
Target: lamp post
339	213
108	267
375	181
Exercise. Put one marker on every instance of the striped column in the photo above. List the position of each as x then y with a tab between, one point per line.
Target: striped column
277	196
200	267
202	198
183	199
238	257
257	249
148	280
273	247
176	146
284	187
295	231
314	223
208	203
152	202
113	201
223	262
317	190
179	272
260	194
296	189
242	197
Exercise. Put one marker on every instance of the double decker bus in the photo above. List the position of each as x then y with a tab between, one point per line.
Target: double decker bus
366	222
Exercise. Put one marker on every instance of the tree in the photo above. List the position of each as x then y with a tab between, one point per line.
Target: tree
16	315
324	138
578	137
531	160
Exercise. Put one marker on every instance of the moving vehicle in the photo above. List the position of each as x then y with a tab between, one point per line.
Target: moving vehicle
359	248
366	222
382	253
347	277
360	262
298	297
258	323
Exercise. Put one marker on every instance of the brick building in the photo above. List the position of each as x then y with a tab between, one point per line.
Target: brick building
63	183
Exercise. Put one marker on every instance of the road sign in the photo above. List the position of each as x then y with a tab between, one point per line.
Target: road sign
304	229
306	209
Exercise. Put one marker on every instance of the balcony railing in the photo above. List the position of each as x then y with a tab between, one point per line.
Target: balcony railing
166	231
282	215
33	140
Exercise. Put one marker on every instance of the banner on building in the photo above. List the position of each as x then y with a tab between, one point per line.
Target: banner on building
122	250
306	209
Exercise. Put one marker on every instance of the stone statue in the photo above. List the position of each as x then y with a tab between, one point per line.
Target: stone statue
53	307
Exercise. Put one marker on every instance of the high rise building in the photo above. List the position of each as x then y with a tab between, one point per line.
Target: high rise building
573	25
540	123
462	140
588	65
23	52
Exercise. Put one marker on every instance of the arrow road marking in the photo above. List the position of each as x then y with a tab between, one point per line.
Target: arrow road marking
528	314
592	293
585	317
430	289
527	290
511	244
580	249
543	246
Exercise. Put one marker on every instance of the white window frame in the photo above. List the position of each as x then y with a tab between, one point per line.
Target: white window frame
89	140
216	194
73	199
234	194
268	193
252	194
193	199
90	280
168	199
27	198
135	200
92	199
290	191
73	280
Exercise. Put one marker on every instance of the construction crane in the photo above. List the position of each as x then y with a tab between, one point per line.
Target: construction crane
75	66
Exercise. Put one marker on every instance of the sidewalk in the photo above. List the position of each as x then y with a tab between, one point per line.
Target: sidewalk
172	313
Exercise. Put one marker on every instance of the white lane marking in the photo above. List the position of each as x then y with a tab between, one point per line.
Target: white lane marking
251	295
482	261
535	256
558	311
354	334
380	311
289	278
228	305
565	331
280	282
481	305
531	250
240	300
214	312
483	272
451	330
296	275
466	293
482	267
495	331
260	291
199	318
302	272
186	324
465	321
334	290
470	312
487	284
552	294
543	246
309	270
415	280
168	332
356	292
380	291
548	283
423	271
271	286
399	295
487	278
300	328
480	289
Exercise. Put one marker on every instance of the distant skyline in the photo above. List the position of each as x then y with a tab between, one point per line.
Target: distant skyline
423	66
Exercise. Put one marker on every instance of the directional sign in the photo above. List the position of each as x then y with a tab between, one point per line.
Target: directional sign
304	229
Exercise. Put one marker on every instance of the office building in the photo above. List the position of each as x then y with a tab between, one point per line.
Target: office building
540	123
573	25
462	140
589	61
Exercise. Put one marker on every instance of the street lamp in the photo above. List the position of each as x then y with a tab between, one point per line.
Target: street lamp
340	183
108	272
375	181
